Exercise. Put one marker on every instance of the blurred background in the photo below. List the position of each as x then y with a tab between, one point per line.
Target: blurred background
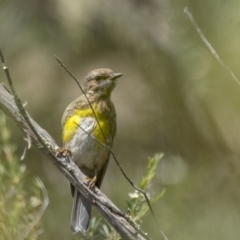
174	98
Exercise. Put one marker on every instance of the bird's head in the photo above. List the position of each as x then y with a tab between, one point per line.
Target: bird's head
101	81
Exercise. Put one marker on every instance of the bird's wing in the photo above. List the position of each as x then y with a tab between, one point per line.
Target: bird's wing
102	172
80	102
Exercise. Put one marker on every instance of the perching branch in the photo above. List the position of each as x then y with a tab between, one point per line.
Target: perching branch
46	144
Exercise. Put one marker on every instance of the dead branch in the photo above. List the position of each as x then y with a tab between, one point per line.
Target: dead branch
121	223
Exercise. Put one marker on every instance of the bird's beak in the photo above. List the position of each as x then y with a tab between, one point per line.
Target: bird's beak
116	75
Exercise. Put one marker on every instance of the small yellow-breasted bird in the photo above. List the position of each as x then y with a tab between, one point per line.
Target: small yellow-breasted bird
79	123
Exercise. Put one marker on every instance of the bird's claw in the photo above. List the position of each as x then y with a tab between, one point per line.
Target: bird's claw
63	152
91	182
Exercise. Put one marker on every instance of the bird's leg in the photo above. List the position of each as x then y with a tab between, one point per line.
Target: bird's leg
92	181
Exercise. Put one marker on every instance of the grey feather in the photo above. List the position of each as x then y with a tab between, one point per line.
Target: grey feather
81	213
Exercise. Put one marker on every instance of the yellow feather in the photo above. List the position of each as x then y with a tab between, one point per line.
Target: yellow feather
73	123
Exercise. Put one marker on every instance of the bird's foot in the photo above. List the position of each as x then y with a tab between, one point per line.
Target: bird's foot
91	182
63	152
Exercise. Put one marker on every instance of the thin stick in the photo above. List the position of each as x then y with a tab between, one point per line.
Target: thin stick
209	46
109	148
128	179
19	103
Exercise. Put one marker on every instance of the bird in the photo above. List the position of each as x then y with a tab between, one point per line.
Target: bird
89	123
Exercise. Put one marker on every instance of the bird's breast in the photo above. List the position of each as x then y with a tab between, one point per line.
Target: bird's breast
83	137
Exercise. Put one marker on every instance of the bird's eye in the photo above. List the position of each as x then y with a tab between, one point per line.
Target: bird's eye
98	78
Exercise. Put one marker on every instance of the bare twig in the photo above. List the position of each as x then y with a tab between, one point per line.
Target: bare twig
128	179
64	163
209	46
109	147
18	101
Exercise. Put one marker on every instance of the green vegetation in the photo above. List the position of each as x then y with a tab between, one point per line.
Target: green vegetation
137	207
20	212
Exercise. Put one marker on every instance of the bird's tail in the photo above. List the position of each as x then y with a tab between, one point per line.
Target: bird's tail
81	213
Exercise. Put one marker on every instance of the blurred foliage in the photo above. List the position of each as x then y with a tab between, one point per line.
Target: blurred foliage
20	213
173	97
137	206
